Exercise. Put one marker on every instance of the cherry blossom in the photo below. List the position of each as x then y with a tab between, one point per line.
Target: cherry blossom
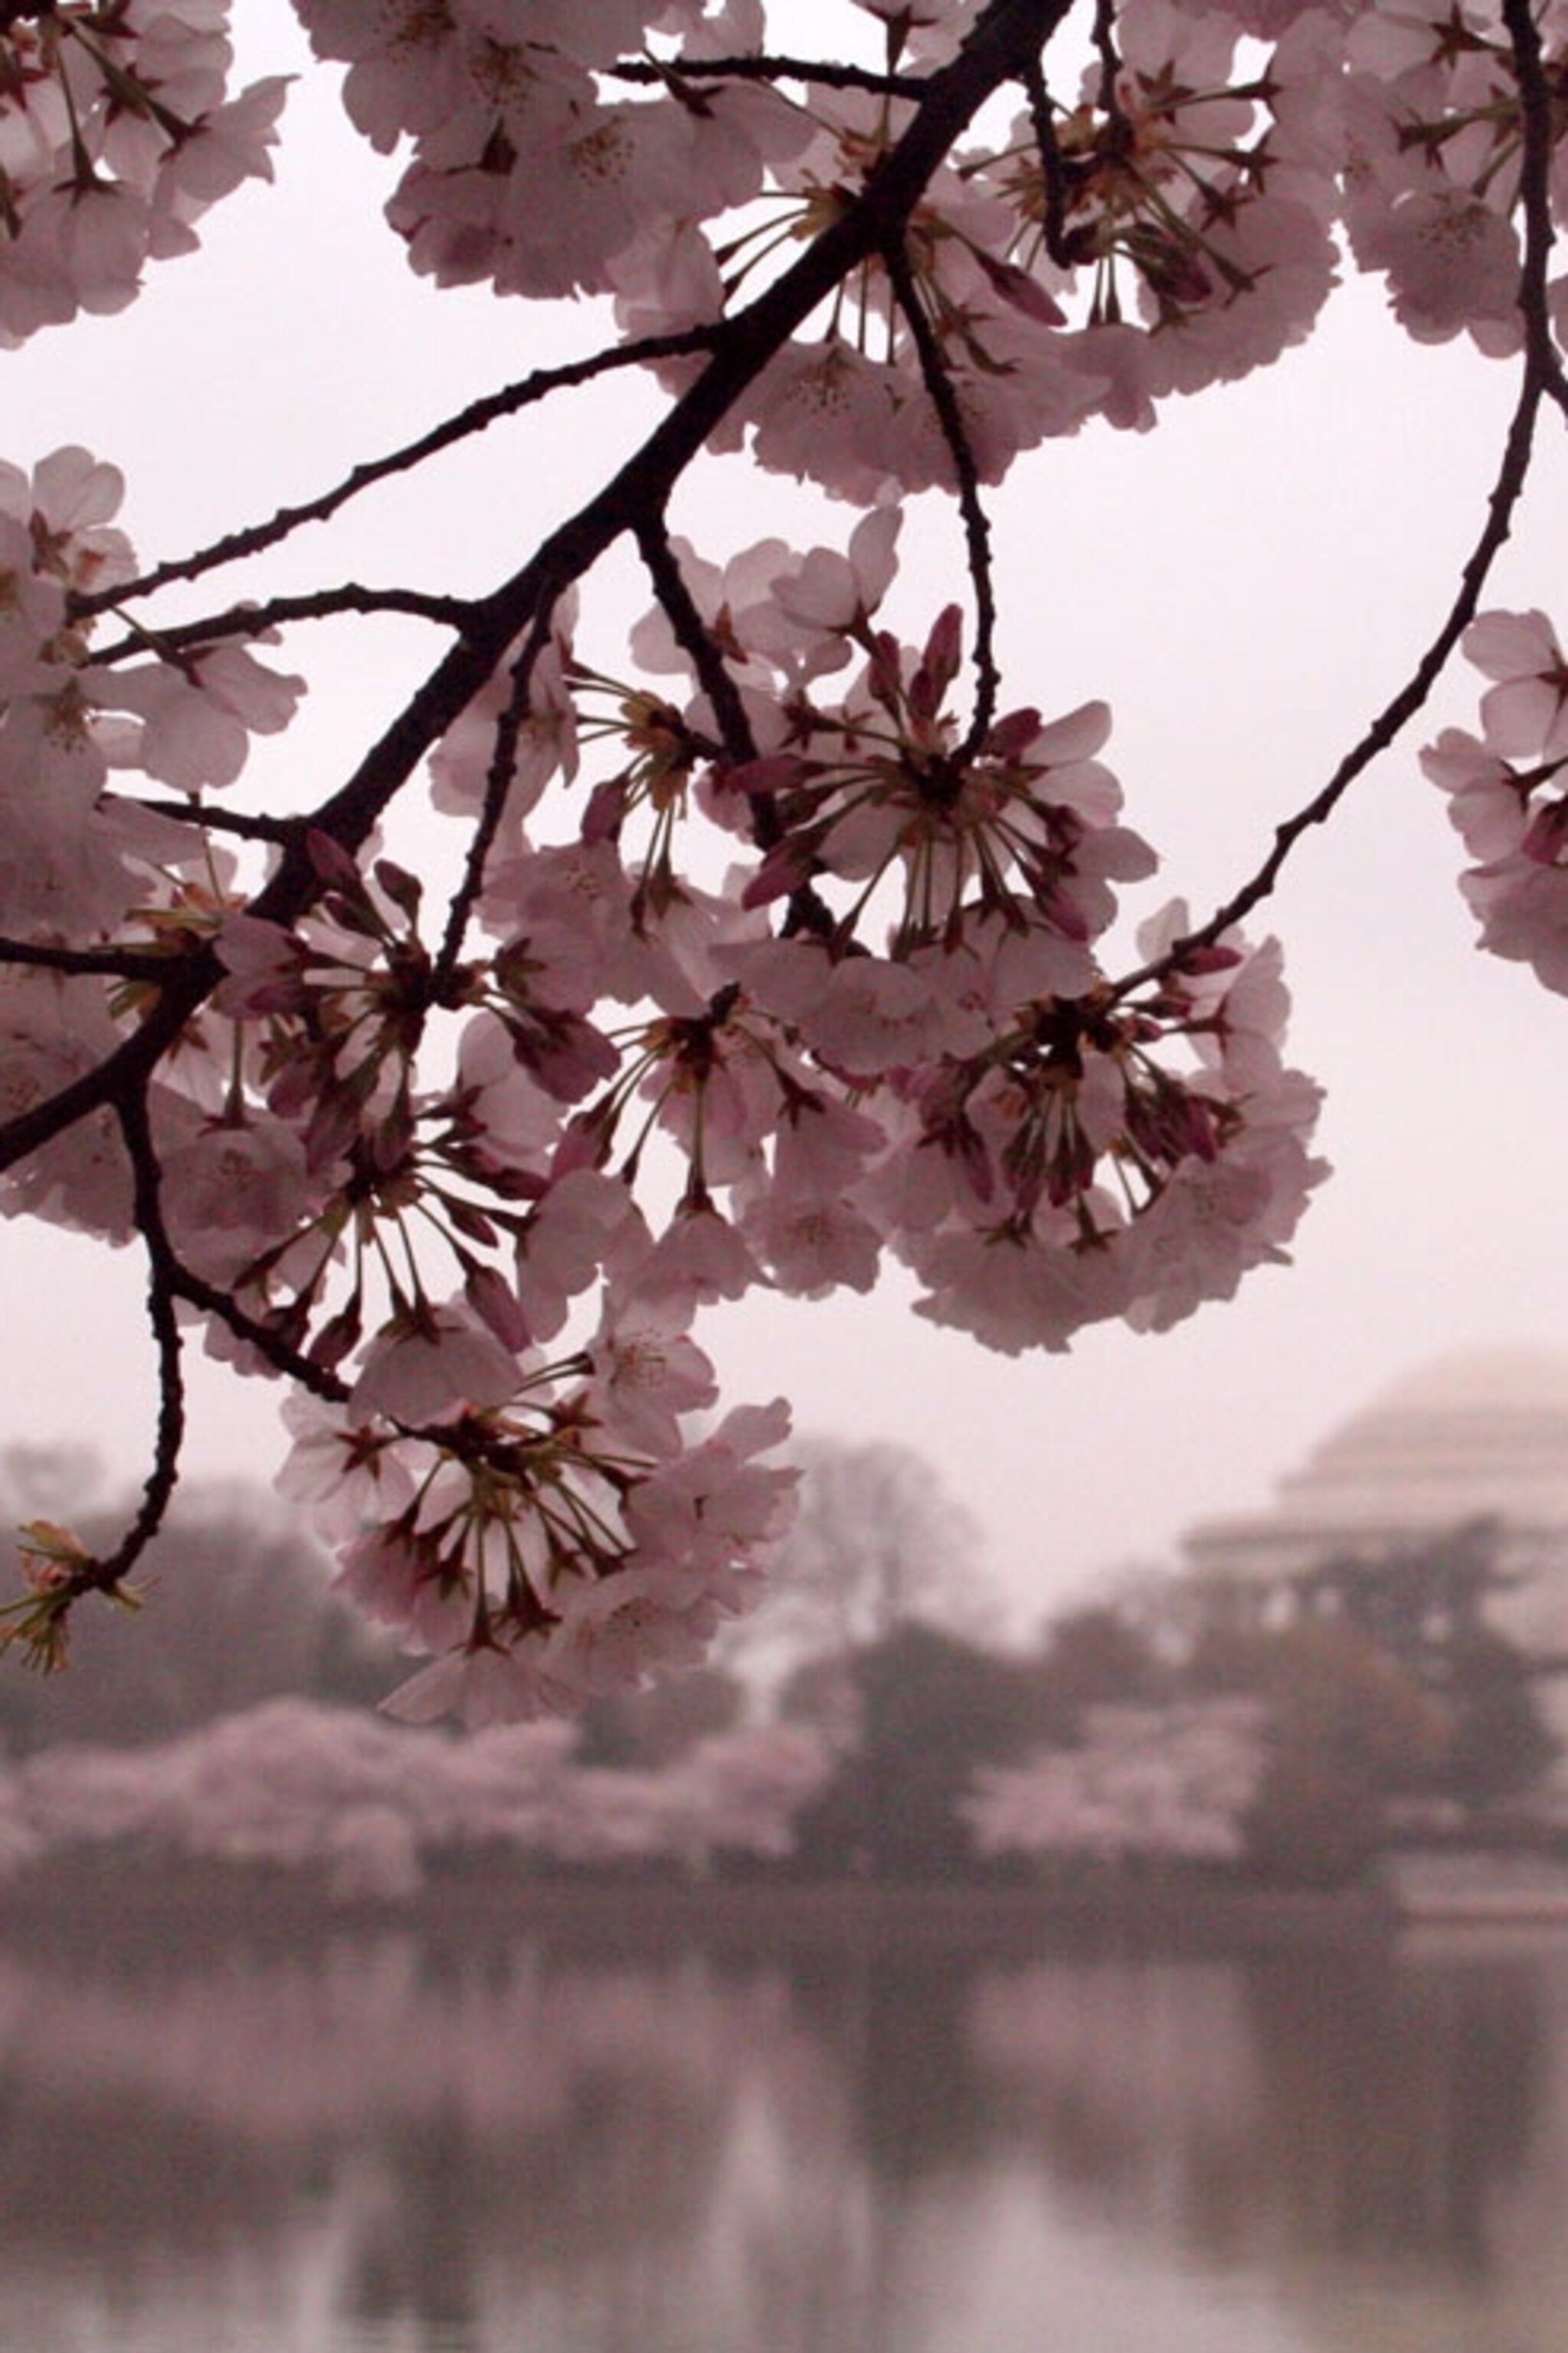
499	101
1526	712
1506	800
115	135
1434	116
53	1031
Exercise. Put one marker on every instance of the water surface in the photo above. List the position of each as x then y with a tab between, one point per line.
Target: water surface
387	2145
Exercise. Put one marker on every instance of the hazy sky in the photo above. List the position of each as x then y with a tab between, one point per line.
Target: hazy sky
1246	585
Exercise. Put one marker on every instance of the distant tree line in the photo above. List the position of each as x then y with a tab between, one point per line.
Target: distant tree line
1193	1729
1381	1704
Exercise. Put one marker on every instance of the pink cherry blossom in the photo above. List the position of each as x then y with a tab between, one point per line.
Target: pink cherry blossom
231	1191
1525	714
646	1373
429	1362
116	135
1505	799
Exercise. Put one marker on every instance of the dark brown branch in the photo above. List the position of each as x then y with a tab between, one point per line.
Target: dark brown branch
207	1296
245	828
498	785
41	1624
1395	715
475	418
1537	110
695	639
827	75
158	1489
977	525
694	635
1053	221
253	621
1110	60
110	963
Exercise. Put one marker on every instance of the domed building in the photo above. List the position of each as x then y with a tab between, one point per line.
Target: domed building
1477	1437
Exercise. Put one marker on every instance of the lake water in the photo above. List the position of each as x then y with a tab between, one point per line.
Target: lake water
517	2143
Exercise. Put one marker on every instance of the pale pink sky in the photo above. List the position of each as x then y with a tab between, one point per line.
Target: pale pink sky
1246	587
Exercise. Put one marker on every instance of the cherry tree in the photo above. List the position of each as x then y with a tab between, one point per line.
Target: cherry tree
779	940
1173	1781
295	1786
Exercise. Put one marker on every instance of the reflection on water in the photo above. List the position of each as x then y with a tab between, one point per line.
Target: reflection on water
389	2147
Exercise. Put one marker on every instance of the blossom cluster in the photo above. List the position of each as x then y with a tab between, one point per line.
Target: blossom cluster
1172	229
924	1057
1434	137
75	855
116	134
1506	800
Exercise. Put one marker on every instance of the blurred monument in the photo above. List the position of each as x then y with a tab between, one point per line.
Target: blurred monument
1461	1466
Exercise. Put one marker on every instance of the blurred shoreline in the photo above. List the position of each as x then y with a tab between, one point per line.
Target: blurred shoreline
202	1904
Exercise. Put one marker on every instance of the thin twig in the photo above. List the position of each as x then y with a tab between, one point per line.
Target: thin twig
253	621
157	1492
207	1296
829	76
695	637
278	830
475	418
1537	112
107	963
497	787
977	525
692	634
1053	219
1110	61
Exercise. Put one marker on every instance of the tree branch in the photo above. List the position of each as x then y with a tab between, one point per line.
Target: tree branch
693	636
997	51
1054	225
476	417
254	621
105	1575
274	830
110	963
1537	110
977	525
673	72
197	1292
1539	362
498	785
